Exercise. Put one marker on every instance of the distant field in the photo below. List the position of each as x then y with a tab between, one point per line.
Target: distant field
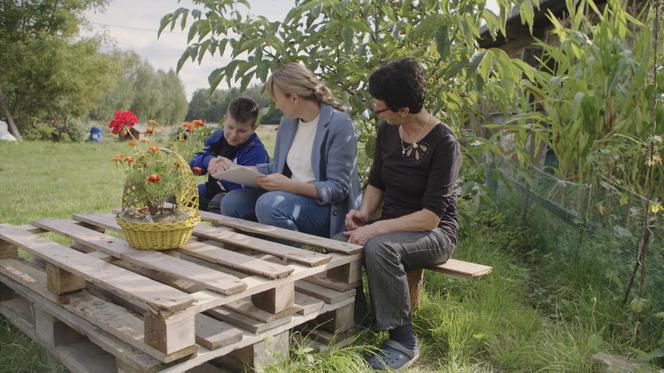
39	179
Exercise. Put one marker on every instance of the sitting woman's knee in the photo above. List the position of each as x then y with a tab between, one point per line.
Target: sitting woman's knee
268	205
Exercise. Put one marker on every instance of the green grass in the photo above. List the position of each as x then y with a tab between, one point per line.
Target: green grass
535	313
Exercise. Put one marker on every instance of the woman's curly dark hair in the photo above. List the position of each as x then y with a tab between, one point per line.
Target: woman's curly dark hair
400	83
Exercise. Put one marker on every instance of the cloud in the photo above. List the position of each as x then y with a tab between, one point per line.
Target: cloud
133	25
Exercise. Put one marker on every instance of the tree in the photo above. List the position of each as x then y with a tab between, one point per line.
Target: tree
343	41
39	59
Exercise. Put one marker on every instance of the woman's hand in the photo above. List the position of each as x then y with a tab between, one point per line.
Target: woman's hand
273	182
361	235
356	219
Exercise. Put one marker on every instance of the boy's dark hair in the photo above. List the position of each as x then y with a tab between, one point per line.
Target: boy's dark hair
243	110
399	83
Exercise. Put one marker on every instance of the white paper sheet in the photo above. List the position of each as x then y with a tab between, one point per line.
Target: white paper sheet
239	175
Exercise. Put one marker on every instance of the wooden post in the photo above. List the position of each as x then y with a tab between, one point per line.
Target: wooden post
169	334
415	282
8	250
339	320
260	355
60	282
276	300
348	273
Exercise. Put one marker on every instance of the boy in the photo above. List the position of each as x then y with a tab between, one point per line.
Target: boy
235	143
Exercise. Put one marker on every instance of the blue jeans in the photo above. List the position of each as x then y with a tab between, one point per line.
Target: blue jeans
279	209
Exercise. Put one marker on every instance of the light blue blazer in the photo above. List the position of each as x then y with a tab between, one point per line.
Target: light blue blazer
333	160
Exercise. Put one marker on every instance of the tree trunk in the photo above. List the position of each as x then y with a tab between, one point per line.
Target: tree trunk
12	126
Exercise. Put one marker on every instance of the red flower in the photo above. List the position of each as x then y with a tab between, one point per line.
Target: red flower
129	159
196	170
122	118
149	131
198	123
153	149
153	179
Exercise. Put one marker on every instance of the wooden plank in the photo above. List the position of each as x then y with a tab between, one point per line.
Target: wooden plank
308	304
105	275
234	260
327	295
289	253
84	357
19	312
30	283
459	268
246	307
281	233
213	334
244	321
227	236
207	278
324	281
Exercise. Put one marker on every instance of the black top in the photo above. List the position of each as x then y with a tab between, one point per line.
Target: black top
419	175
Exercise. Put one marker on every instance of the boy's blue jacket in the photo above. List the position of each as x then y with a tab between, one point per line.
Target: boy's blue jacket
250	153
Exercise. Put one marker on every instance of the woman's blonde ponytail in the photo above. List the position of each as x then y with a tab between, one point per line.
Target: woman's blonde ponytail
295	78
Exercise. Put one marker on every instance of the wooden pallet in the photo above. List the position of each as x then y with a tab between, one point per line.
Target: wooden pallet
223	291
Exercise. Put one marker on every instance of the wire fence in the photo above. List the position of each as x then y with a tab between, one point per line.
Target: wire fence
575	219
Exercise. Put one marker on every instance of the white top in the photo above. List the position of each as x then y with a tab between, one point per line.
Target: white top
299	154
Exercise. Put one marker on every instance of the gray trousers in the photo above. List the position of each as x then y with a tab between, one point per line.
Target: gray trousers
387	258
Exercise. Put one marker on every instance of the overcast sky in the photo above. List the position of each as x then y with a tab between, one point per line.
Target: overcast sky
133	25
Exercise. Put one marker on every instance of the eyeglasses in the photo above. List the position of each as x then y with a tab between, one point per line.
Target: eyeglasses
378	111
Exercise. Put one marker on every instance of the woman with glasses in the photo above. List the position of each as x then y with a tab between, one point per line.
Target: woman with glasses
312	181
414	175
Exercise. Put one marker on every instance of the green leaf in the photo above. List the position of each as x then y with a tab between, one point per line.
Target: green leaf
427	27
183	21
639	305
183	59
454	69
215	77
475	61
347	33
527	13
193	29
443	42
202	49
493	22
165	20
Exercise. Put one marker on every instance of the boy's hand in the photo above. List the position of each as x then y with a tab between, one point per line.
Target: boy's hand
219	164
273	182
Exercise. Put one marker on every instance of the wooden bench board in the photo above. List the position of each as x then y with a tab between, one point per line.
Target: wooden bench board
460	268
281	233
203	276
127	283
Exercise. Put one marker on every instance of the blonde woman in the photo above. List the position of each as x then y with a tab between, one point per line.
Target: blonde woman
311	183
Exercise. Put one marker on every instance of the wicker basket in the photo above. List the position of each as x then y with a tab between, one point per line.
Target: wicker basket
163	236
